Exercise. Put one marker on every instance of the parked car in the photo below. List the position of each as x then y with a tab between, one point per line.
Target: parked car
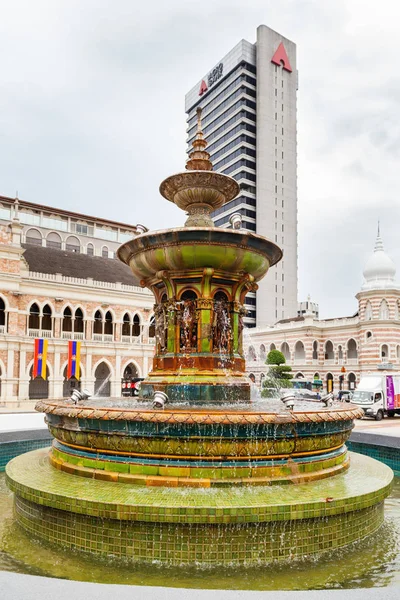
345	395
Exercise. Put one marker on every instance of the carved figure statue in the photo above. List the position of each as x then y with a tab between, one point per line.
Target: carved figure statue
161	327
188	339
222	329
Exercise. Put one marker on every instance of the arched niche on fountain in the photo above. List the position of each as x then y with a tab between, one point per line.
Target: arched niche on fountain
221	324
188	321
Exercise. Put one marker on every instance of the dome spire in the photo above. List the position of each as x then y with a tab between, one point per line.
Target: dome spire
379	244
380	271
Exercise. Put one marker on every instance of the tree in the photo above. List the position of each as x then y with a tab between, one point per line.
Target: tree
275	357
279	374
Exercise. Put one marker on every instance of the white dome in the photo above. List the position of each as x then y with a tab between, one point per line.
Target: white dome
380	271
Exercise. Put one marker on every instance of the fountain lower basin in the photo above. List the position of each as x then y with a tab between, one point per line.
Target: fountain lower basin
188	485
242	525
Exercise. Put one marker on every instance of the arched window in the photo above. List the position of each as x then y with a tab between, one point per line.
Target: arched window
69	385
79	324
108	325
368	311
272	347
299	351
47	324
384	352
126	326
329	354
104	252
102	385
285	350
152	327
38	387
98	323
299	376
315	350
251	354
329	382
72	244
136	326
368	335
53	240
316	376
352	352
351	380
340	352
34	317
263	354
67	320
33	237
90	250
130	371
384	310
2	316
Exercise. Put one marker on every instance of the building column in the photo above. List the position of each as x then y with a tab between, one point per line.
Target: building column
23	387
58	378
116	380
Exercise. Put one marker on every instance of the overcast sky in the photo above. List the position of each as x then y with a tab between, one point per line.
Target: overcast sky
92	114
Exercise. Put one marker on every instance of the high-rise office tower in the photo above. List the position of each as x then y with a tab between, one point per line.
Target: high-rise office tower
249	120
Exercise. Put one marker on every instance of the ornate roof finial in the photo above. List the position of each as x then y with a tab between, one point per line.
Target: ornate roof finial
378	243
199	158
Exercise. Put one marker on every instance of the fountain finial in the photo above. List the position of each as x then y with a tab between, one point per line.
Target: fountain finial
199	158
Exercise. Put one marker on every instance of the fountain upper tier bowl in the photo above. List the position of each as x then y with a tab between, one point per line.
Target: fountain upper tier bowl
190	249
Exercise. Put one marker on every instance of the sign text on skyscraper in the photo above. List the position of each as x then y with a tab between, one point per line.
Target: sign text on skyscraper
215	74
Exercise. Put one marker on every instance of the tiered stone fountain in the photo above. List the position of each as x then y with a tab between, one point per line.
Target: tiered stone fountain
209	477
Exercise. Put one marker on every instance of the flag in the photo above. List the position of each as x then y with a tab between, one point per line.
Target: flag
74	355
39	358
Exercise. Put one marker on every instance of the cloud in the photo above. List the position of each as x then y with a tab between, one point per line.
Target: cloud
92	114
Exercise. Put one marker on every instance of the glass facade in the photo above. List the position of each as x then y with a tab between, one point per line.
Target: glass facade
229	125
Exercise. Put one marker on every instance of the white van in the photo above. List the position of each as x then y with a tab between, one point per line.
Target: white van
378	395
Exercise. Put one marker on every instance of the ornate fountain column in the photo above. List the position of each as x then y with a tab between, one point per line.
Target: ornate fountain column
199	275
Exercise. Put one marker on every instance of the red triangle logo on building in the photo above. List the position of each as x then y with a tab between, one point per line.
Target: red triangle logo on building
281	58
203	88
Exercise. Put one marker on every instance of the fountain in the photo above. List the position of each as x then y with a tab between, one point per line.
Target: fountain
193	471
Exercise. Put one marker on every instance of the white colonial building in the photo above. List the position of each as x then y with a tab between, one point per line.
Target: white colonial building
339	350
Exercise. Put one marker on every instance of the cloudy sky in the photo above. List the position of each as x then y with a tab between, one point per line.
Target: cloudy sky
92	114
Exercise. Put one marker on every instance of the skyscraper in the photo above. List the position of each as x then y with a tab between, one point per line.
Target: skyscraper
249	120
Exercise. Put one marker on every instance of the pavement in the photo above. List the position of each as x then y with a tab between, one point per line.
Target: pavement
390	427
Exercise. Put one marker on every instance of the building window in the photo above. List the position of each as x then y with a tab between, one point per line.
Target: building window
33	237
40	321
2	316
72	244
53	240
104	252
384	310
368	311
90	250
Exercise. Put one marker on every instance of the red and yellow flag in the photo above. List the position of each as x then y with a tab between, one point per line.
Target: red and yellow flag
39	358
74	355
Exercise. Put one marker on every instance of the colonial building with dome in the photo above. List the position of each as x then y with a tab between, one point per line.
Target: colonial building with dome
339	350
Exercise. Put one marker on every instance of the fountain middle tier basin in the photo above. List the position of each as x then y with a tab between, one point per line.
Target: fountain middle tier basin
197	447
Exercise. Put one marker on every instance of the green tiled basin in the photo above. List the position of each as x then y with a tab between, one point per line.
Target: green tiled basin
184	526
